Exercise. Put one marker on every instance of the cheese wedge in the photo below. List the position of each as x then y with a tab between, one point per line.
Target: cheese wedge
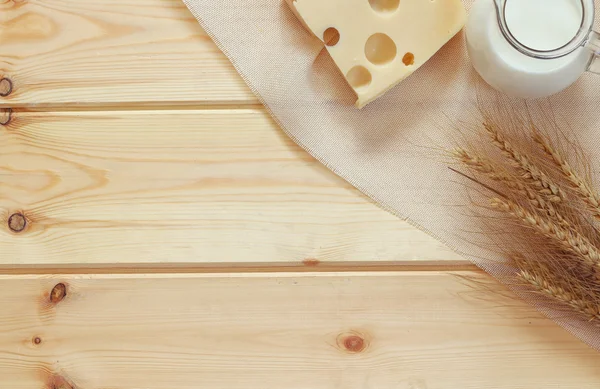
378	43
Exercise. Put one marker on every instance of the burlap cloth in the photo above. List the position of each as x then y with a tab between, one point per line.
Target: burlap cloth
392	149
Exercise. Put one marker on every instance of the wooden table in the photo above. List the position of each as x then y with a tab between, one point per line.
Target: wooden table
159	231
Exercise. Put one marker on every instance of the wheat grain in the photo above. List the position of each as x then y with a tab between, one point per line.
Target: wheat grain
494	172
580	304
530	172
568	239
582	187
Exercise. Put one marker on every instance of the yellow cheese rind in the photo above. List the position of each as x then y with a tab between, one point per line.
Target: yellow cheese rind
381	42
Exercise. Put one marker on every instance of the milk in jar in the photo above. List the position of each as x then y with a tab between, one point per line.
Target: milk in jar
543	25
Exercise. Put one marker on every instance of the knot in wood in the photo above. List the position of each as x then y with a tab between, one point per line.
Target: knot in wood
58	382
37	340
6	86
311	262
58	293
354	343
17	222
5	116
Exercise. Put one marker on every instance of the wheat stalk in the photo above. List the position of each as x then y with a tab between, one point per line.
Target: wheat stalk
569	239
530	172
581	305
494	172
555	250
583	188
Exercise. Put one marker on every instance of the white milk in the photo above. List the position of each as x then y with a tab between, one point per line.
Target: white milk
538	24
543	24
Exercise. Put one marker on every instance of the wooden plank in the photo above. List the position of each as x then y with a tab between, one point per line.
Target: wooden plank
361	330
208	187
74	52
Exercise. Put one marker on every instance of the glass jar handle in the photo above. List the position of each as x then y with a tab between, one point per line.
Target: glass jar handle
593	44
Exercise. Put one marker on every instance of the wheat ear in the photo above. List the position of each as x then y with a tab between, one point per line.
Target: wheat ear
569	239
582	187
581	305
492	171
531	173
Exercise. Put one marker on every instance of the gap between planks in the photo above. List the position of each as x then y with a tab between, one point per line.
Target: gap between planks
307	266
133	106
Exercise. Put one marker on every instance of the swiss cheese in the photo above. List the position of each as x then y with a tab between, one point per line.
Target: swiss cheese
378	43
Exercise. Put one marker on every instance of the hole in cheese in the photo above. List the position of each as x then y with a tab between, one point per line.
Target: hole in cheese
331	36
408	59
359	77
380	49
384	5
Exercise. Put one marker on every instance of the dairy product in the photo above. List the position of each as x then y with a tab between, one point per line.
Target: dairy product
378	43
537	24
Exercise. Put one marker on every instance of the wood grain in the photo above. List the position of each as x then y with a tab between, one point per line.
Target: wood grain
208	186
79	53
95	178
360	330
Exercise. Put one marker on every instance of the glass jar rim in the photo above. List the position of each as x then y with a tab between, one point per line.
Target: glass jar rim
579	40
